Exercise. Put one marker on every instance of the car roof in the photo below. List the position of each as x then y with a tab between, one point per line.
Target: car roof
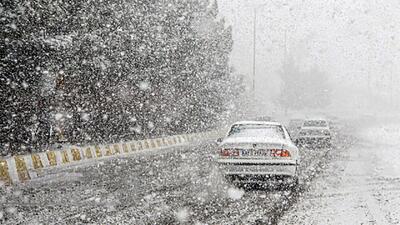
258	122
315	119
315	128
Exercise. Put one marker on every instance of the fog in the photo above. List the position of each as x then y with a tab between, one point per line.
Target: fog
199	112
355	43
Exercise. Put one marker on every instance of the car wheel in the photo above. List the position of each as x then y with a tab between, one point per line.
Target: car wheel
293	185
289	184
229	178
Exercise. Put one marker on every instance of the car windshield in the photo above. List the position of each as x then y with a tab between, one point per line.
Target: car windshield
315	123
256	131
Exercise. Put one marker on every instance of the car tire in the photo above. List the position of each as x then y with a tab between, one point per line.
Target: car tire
229	178
290	184
294	185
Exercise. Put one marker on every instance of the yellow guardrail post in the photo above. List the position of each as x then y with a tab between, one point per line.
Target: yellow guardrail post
36	161
76	154
116	149
22	171
133	146
64	156
51	156
139	145
152	143
108	151
164	141
125	147
4	174
98	151
88	153
159	144
146	145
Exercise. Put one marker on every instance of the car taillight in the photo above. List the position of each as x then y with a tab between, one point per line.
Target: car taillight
229	152
280	153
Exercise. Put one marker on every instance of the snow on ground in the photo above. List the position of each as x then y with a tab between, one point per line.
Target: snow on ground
362	186
173	186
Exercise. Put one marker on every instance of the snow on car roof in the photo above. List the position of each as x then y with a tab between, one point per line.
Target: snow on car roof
258	122
315	128
313	119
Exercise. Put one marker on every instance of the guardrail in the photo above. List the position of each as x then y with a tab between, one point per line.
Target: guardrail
22	168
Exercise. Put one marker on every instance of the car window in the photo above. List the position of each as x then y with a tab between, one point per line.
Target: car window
315	123
256	131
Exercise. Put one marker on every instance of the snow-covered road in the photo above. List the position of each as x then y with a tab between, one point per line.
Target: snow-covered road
179	185
361	186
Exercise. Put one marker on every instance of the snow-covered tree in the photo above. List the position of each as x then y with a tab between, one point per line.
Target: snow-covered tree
90	71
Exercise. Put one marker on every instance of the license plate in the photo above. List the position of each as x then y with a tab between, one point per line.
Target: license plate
256	152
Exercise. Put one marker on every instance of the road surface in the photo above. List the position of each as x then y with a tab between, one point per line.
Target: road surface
361	186
179	185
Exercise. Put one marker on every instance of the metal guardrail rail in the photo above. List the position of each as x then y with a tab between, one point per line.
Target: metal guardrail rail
22	168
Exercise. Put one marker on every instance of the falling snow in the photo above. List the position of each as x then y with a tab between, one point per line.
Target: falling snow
105	74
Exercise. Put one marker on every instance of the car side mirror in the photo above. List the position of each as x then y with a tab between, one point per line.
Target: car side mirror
219	140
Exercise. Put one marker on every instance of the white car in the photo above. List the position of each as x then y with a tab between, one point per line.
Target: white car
258	151
315	132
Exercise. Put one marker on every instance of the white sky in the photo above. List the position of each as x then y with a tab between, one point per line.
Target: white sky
352	40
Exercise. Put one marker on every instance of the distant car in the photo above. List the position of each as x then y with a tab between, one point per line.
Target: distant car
294	126
263	118
257	152
315	132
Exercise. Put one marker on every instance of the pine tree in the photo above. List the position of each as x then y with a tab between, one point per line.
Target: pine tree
100	71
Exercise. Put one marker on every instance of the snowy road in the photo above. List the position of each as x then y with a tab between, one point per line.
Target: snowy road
171	186
362	186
